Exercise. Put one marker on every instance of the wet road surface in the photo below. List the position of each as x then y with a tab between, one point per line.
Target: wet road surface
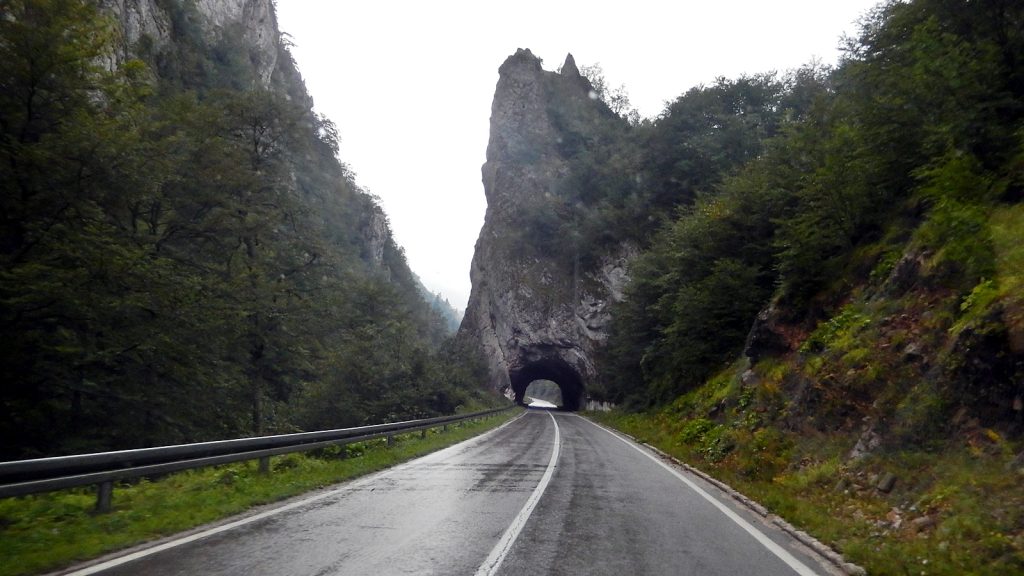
509	502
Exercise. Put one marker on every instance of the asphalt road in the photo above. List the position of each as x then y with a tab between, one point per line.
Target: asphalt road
549	493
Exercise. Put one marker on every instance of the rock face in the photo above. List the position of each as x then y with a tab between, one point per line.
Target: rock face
152	20
140	18
157	26
376	234
533	315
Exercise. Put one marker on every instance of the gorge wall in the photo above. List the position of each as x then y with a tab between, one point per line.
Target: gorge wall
246	34
537	310
185	257
154	23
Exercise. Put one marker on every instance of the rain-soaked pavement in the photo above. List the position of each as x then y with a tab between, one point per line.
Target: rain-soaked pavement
604	507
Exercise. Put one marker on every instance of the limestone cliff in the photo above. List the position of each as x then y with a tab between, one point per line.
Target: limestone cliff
154	24
247	31
536	315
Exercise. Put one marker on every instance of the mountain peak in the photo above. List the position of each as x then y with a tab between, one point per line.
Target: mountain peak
569	67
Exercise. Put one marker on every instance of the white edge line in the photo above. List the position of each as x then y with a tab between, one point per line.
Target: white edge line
351	485
798	566
502	548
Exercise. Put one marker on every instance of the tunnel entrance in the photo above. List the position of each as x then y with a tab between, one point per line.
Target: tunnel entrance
556	370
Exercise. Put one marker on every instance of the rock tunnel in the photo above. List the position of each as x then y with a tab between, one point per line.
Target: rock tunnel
556	370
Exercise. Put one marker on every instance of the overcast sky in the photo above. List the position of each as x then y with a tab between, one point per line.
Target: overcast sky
409	85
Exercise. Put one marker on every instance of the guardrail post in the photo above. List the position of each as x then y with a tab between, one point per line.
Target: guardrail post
423	433
444	428
391	440
264	465
104	496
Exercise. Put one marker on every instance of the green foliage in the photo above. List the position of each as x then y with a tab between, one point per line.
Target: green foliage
695	430
884	266
804	189
693	294
181	255
836	332
616	99
706	133
1007	229
971	499
901	167
831	205
957	232
976	305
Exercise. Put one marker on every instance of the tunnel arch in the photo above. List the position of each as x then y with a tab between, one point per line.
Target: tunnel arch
556	370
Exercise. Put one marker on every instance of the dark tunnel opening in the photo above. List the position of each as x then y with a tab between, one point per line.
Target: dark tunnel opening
556	370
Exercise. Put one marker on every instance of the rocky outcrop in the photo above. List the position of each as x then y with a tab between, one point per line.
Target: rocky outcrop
766	336
152	21
160	31
259	24
376	235
536	316
140	18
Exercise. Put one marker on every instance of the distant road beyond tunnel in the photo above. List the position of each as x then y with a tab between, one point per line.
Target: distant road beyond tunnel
556	370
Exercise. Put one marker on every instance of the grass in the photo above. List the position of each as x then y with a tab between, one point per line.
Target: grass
783	434
973	502
48	531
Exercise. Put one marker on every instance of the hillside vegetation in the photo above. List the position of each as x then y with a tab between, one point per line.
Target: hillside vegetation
182	257
838	264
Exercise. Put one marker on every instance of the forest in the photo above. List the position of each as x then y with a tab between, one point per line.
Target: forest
182	256
827	311
828	288
801	192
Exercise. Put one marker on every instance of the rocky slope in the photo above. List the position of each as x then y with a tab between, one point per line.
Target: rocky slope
535	313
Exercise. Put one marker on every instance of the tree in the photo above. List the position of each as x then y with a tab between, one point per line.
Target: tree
617	99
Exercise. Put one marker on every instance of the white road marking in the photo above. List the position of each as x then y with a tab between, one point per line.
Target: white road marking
502	548
797	566
115	562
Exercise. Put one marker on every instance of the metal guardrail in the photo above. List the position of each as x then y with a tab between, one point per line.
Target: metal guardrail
23	477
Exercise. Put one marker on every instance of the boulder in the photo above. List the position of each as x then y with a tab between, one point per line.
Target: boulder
765	337
886	482
922	524
866	444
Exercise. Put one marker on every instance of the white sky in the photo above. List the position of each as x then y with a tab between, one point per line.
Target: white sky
409	85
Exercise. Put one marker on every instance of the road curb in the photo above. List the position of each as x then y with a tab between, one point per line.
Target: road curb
806	539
